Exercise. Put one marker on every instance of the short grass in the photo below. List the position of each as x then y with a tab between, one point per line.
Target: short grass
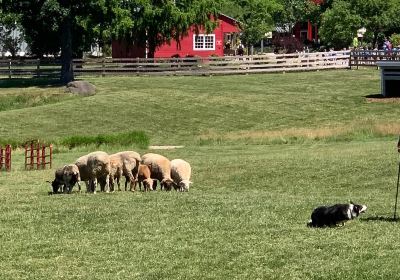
187	110
261	158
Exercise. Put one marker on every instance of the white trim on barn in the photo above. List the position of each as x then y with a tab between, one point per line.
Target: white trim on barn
203	42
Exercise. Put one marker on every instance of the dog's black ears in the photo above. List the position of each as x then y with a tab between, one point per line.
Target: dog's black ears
351	202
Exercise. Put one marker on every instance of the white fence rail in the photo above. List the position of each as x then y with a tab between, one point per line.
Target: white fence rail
182	66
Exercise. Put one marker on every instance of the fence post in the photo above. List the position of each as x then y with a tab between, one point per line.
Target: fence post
51	154
31	156
103	66
8	158
9	69
38	68
26	156
37	156
43	157
1	157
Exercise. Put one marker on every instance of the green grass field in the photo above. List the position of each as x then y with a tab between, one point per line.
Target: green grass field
265	150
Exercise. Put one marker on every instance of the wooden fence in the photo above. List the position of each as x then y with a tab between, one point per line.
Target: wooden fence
180	66
5	158
15	68
38	156
370	57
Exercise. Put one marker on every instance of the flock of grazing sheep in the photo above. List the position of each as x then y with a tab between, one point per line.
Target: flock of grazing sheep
106	170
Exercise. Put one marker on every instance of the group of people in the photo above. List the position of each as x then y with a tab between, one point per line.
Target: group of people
239	47
386	46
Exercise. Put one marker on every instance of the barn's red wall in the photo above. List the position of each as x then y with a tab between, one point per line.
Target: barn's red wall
121	49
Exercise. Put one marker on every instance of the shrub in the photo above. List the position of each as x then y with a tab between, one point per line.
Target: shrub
395	39
135	138
288	44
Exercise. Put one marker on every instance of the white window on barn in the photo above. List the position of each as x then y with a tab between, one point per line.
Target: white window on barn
204	42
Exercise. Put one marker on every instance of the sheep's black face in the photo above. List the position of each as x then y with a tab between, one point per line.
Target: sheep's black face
56	186
167	184
148	185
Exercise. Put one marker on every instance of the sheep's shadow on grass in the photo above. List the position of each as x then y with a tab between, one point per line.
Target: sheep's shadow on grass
380	219
30	82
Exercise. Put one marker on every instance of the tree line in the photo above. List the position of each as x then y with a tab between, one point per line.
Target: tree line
69	27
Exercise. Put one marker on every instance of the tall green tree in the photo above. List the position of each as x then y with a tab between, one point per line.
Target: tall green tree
378	16
70	26
255	16
339	24
297	11
157	22
341	21
10	35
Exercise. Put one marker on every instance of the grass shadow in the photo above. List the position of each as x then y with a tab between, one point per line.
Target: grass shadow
29	82
380	98
380	219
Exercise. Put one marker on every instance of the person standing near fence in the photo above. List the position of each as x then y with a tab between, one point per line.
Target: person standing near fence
240	49
355	43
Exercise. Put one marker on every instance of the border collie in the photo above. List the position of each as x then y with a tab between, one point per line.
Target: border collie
335	214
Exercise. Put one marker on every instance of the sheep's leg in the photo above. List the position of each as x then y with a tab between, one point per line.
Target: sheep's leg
119	183
107	185
68	187
132	179
111	184
135	170
94	185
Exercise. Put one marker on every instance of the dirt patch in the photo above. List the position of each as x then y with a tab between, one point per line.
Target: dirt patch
308	133
379	98
292	132
164	147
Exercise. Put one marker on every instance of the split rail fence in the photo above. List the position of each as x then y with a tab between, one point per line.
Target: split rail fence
38	156
5	158
180	66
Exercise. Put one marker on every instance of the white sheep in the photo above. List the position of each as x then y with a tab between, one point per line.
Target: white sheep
160	168
125	163
93	167
180	173
115	171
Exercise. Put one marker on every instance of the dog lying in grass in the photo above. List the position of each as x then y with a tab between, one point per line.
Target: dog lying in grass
336	214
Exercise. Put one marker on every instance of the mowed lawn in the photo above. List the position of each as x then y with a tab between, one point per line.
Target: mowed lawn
265	150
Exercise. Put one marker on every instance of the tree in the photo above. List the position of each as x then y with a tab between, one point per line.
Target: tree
378	16
70	26
157	22
297	11
255	16
339	24
341	21
10	35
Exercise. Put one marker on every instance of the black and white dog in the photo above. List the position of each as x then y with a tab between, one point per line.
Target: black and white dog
336	214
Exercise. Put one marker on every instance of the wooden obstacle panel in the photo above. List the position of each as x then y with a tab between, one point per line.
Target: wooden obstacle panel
5	158
38	156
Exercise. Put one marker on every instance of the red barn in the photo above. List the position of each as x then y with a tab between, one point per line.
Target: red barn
306	30
222	40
